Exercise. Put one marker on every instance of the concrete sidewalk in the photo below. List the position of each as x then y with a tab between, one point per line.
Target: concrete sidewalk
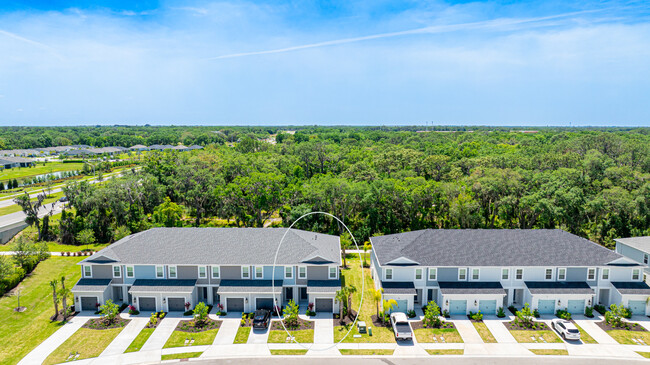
124	339
42	351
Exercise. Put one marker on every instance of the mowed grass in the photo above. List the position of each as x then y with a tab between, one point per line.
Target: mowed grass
87	342
484	332
22	332
352	276
584	336
182	355
20	173
625	337
446	352
242	334
140	339
644	354
523	336
177	339
367	352
549	352
288	352
301	336
425	335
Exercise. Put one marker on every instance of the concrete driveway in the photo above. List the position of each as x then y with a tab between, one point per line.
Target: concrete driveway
126	336
227	332
259	336
323	328
158	338
499	330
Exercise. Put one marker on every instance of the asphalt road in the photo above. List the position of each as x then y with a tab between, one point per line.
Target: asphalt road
447	360
16	217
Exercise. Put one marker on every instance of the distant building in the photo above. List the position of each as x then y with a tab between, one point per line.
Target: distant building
11	162
139	147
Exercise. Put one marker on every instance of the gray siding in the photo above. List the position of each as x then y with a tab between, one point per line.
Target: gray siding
102	271
447	274
317	273
576	274
231	272
187	272
630	252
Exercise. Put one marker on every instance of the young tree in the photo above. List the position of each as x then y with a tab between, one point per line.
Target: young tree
86	237
168	214
432	315
376	296
345	244
349	290
341	297
290	313
55	299
109	311
64	293
525	316
388	306
366	247
200	313
120	232
31	209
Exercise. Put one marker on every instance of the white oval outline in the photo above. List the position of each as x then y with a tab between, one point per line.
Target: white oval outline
363	281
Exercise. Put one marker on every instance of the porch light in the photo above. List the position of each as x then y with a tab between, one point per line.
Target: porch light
559	302
246	300
135	300
77	299
475	302
589	302
164	300
447	302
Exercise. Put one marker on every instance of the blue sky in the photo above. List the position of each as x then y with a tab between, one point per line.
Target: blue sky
65	62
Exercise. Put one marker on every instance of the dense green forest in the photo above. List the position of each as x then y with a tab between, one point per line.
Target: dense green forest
594	183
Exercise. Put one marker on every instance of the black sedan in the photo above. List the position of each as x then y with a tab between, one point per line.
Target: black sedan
261	319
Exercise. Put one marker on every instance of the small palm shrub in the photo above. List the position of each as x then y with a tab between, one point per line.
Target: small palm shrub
476	316
563	314
589	312
500	313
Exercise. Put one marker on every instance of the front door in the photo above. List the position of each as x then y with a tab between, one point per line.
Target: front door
288	294
418	296
303	293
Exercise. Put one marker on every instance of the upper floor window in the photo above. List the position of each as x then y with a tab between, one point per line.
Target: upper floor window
245	272
160	272
87	271
288	272
433	274
216	273
519	274
259	272
636	274
389	274
561	274
605	274
117	272
645	258
171	271
130	272
548	275
418	274
505	274
302	272
475	274
462	274
203	272
334	272
591	274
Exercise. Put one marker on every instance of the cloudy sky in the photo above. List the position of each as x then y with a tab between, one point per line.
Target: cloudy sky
65	62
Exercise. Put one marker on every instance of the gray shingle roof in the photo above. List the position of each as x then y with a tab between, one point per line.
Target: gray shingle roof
222	246
249	286
161	285
398	287
640	243
471	287
491	247
559	287
632	287
323	286
92	285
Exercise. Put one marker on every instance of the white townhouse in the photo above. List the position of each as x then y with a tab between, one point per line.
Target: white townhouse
467	270
161	269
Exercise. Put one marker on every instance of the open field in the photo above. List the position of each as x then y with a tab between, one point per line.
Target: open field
20	173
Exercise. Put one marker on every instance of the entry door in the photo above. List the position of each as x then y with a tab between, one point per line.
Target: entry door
303	293
418	296
288	294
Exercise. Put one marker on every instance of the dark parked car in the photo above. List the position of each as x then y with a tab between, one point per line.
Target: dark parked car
261	319
63	199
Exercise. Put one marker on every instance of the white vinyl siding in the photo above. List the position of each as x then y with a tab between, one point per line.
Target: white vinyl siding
505	274
605	274
519	274
635	274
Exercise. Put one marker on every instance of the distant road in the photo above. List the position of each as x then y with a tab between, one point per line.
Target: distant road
447	360
8	219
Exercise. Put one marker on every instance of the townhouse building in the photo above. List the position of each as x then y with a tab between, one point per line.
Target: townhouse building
162	269
637	249
467	270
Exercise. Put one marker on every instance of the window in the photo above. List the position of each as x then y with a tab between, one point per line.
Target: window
334	271
172	272
462	274
87	271
259	272
117	272
203	272
160	272
216	272
433	274
245	272
129	272
505	274
561	274
418	274
635	274
519	274
475	274
645	258
302	272
548	274
288	272
591	274
605	274
389	274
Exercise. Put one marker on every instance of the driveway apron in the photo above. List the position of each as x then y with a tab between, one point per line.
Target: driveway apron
161	334
596	332
259	336
323	328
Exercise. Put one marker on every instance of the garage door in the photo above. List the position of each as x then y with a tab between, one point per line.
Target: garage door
546	306
324	305
235	304
88	303
458	307
637	307
264	303
176	304
402	306
147	304
488	306
576	306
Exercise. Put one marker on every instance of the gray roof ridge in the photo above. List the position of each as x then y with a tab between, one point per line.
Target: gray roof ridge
413	242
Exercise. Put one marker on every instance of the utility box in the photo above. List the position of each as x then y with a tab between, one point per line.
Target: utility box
361	326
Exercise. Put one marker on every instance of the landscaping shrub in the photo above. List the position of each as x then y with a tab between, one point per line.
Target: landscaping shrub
614	317
500	313
536	313
512	309
524	317
109	312
411	313
563	314
589	312
476	316
133	311
310	309
432	315
446	314
200	314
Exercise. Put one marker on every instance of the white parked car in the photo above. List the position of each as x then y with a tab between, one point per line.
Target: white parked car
566	329
401	326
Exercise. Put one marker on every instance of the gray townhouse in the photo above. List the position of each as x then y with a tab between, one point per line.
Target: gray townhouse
637	249
467	270
161	269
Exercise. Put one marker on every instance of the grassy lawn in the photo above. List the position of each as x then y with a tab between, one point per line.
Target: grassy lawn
39	169
644	354
524	336
549	352
22	332
446	352
182	355
625	337
142	337
177	339
88	342
367	352
425	335
302	336
485	333
584	336
242	334
352	276
288	352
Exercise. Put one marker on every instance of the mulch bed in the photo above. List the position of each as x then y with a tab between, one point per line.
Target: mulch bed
59	316
188	326
631	326
98	323
302	325
154	325
541	326
347	319
419	324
